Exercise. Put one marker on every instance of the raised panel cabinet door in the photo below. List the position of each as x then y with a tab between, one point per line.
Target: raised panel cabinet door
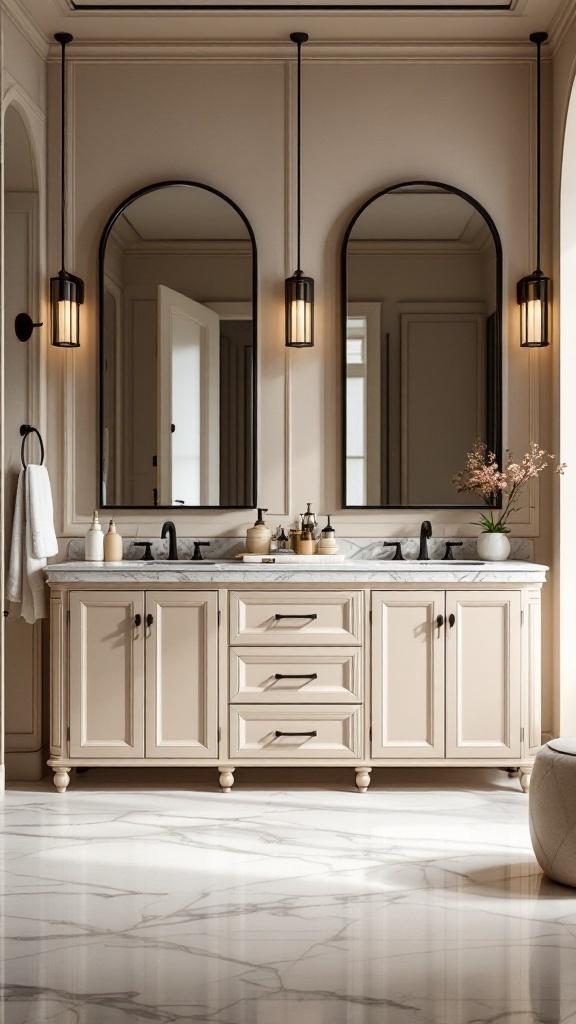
107	674
408	674
483	682
182	674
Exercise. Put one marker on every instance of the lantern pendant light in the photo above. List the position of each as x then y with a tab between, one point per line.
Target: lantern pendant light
299	290
534	293
66	290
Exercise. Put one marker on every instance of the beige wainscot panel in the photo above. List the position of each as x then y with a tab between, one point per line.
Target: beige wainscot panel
408	674
182	674
295	734
483	665
299	675
107	674
283	619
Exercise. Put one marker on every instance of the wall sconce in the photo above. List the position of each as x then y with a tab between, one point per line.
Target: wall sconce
534	293
299	290
23	326
66	290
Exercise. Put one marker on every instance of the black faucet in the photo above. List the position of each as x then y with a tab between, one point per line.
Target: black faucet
425	534
170	529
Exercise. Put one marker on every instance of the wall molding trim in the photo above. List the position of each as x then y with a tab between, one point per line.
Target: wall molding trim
27	25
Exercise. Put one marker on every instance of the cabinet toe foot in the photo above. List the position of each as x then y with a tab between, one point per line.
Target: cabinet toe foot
61	779
226	777
362	778
524	776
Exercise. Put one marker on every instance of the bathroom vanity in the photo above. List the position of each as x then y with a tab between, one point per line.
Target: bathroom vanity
368	663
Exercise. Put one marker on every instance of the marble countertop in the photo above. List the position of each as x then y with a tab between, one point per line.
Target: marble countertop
360	571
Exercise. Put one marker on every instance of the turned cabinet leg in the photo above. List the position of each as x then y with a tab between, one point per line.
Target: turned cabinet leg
226	777
61	778
524	775
362	778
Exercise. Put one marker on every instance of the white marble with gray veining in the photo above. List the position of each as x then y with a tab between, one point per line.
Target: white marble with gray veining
362	571
148	896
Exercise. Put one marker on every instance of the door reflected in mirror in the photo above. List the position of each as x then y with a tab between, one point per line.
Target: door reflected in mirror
177	337
421	345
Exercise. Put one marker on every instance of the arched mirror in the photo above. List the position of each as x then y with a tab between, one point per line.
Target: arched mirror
178	351
422	272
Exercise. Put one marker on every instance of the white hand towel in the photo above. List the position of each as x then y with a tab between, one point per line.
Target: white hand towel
40	513
18	547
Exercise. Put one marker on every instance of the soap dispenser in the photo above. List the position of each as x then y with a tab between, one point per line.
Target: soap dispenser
112	544
94	543
258	536
327	544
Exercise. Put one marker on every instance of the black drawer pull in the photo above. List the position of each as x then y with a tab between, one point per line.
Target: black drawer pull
149	619
439	623
137	620
451	620
305	675
311	734
311	615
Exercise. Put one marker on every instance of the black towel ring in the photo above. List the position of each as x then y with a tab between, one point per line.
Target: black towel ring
25	430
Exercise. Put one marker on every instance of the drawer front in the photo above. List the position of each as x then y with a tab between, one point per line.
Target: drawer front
295	734
296	675
283	619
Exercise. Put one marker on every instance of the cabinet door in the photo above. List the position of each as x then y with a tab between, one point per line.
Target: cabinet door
408	674
106	674
182	674
483	685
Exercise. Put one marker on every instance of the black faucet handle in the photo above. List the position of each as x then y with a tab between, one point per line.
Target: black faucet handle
147	545
448	556
398	557
197	556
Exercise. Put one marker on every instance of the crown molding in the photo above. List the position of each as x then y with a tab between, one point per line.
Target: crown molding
560	24
269	52
29	28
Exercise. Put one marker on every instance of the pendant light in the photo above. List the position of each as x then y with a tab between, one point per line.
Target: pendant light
299	290
534	293
66	290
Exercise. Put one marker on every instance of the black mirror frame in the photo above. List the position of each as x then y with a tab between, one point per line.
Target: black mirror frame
101	288
494	360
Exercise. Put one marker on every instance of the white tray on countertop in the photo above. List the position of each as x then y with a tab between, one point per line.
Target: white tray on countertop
278	557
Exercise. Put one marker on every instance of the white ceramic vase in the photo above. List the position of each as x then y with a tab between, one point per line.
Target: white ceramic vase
493	547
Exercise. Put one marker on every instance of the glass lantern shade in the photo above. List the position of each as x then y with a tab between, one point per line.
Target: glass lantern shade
66	297
534	296
299	311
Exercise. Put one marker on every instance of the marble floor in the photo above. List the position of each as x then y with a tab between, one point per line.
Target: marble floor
144	896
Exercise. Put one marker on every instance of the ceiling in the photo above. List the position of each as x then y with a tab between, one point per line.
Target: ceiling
173	22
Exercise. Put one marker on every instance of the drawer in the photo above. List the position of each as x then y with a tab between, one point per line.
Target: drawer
296	734
296	675
283	619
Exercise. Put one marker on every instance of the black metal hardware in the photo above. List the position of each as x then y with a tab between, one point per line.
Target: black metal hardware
23	326
147	545
137	620
448	556
197	556
425	534
149	619
311	734
304	675
451	620
398	557
25	431
311	615
439	623
170	529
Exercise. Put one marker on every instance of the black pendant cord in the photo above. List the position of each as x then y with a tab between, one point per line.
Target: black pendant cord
538	38
63	38
299	38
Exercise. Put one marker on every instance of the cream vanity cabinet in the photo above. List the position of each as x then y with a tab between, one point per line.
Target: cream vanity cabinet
142	668
360	667
455	677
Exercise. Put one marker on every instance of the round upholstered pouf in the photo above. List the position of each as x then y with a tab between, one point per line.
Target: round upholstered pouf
553	810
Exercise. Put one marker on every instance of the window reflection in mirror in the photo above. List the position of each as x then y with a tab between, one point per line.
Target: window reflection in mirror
177	272
421	336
